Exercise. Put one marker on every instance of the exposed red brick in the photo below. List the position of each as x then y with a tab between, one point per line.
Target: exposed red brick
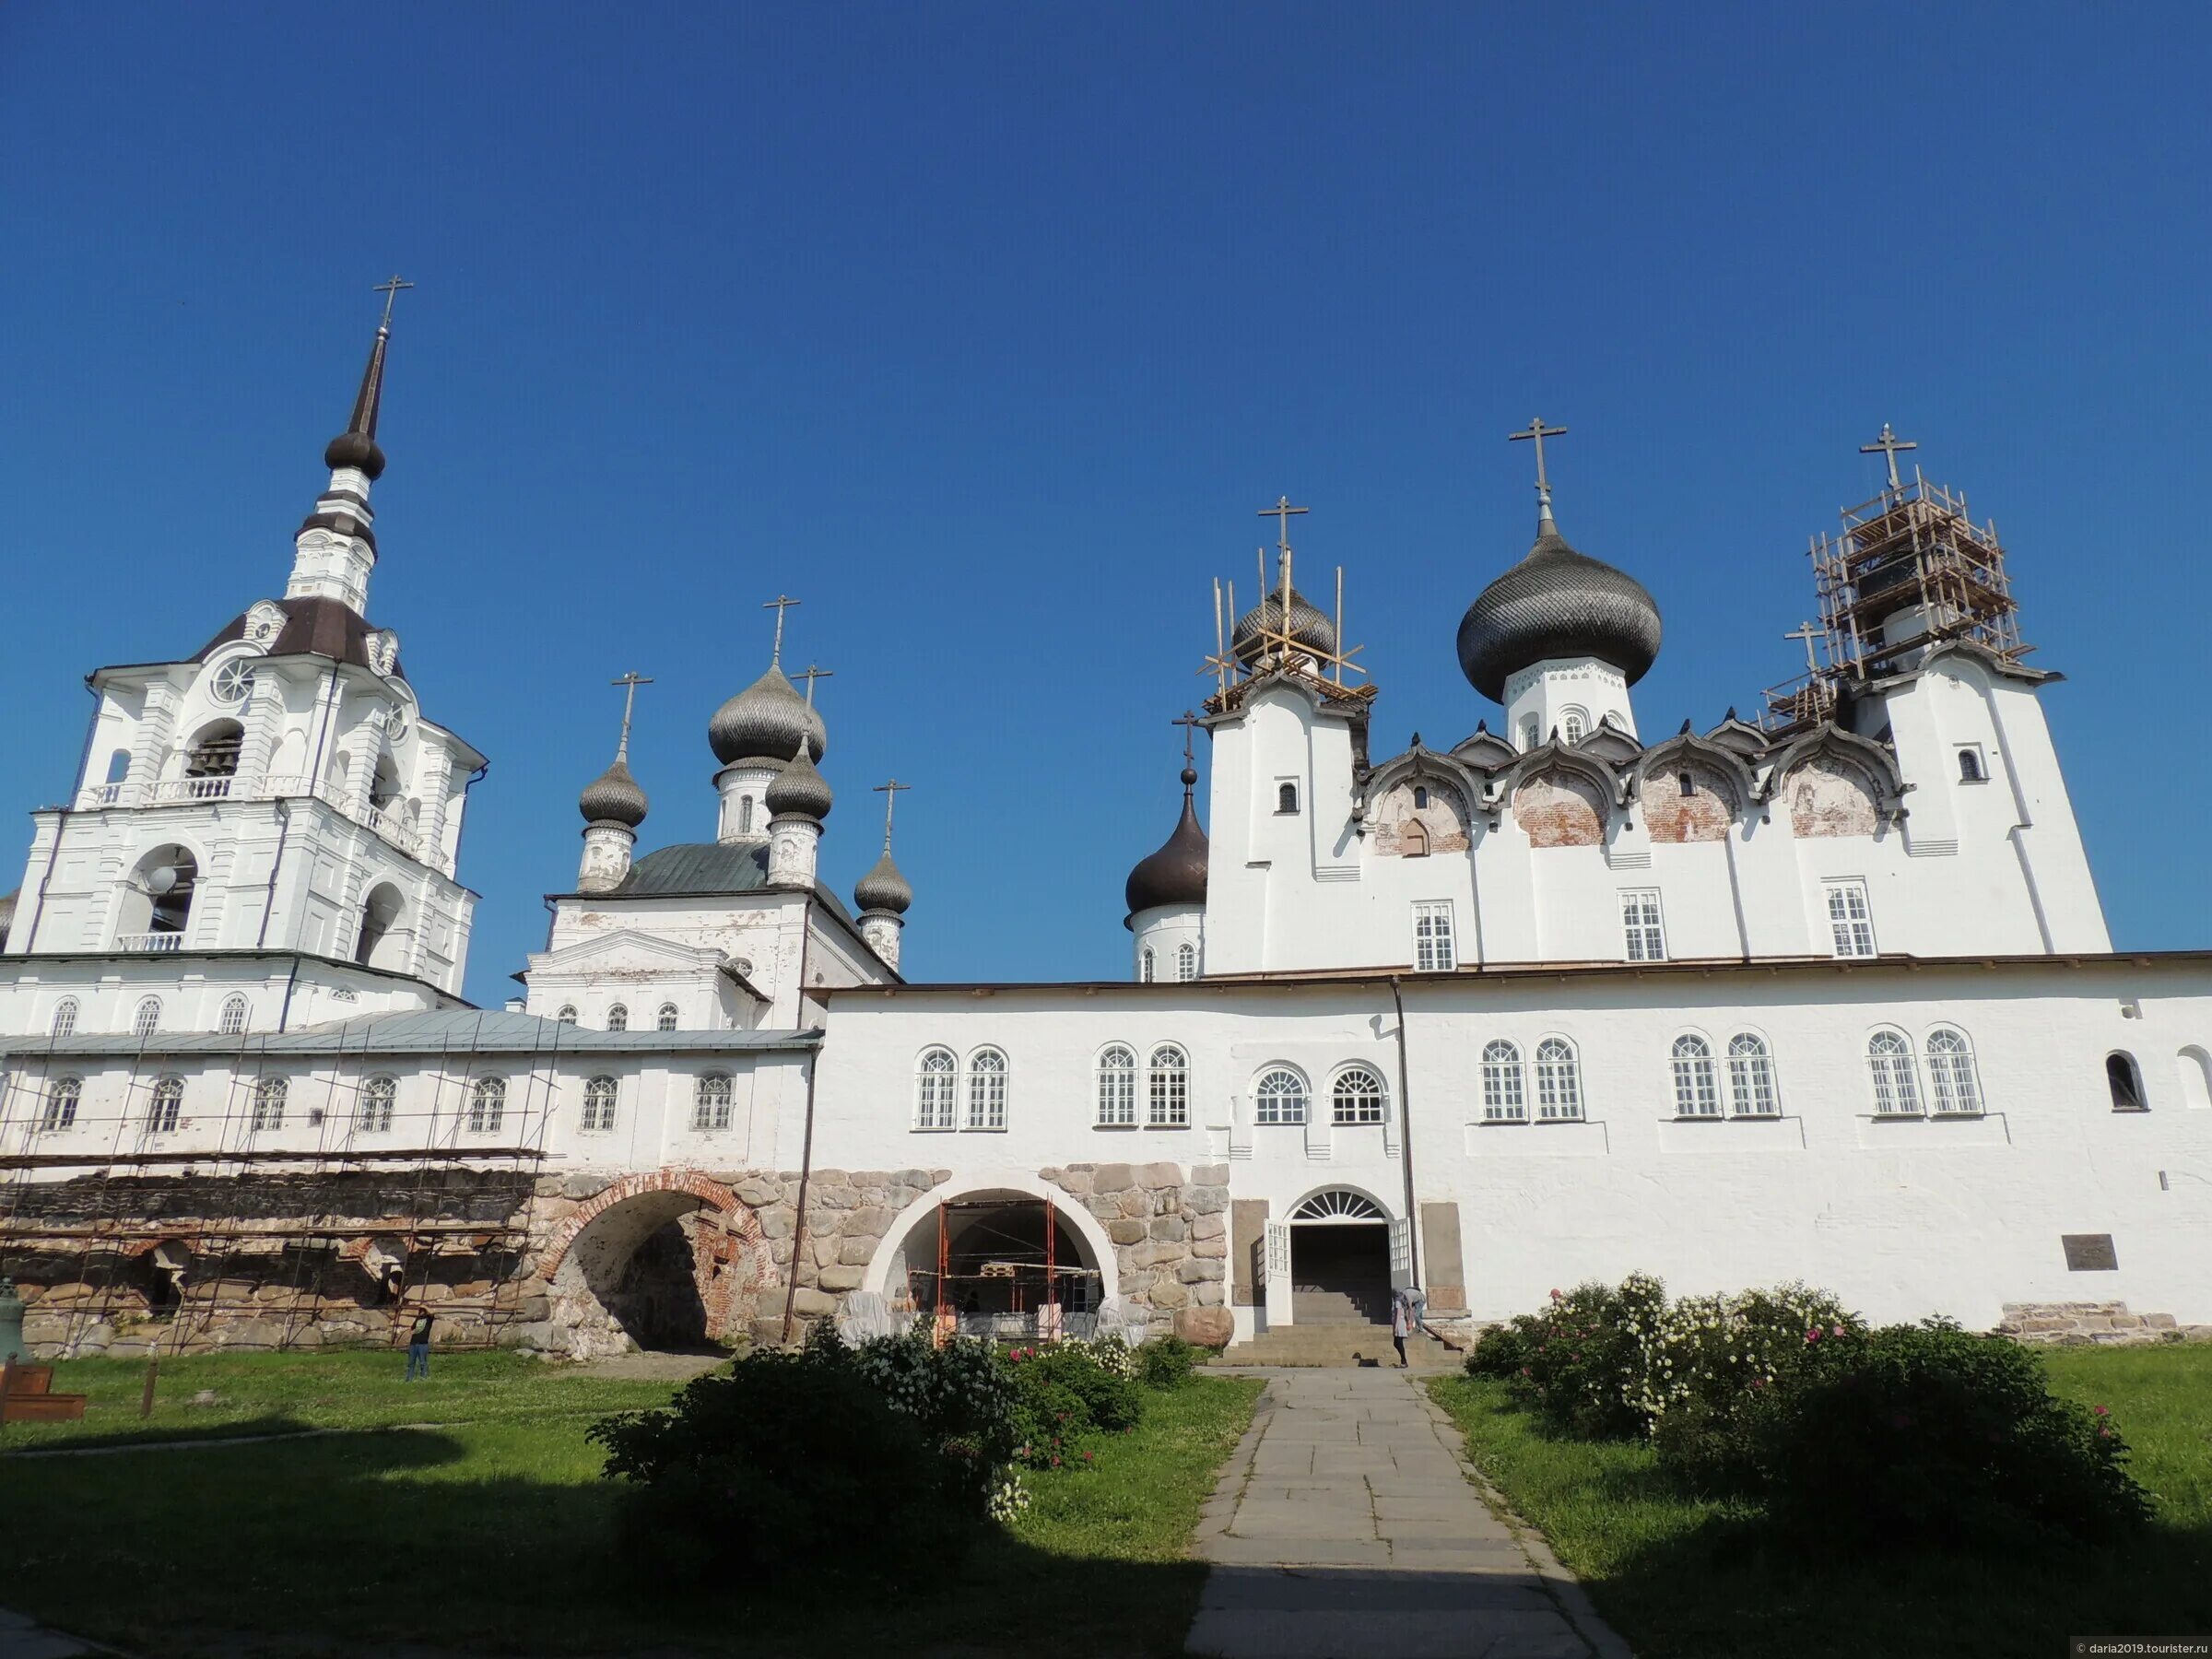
1829	796
1672	817
1560	809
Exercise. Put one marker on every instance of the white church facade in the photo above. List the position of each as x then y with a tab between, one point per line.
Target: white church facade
1827	994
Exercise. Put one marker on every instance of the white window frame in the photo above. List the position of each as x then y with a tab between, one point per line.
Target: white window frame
270	1097
1850	918
1146	964
64	1023
231	1022
1186	962
379	1094
618	1016
987	1072
600	1094
713	1103
64	1096
1532	733
1358	1097
145	1019
486	1105
567	1016
1168	1088
1643	925
167	1105
1696	1081
1435	940
1558	1081
1955	1085
936	1090
1752	1091
1504	1087
665	1020
1113	1088
1281	1097
1894	1077
1575	724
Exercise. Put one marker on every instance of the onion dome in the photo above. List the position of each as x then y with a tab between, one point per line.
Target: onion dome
1176	873
799	789
613	797
883	888
768	719
1557	602
1308	627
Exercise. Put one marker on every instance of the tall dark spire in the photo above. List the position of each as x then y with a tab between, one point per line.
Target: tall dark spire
356	446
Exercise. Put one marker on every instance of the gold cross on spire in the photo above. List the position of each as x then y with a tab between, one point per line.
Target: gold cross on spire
1888	443
1281	513
629	684
780	604
889	792
1539	431
815	671
1808	634
389	288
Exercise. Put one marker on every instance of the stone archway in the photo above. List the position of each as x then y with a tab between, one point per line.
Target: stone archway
911	1239
665	1258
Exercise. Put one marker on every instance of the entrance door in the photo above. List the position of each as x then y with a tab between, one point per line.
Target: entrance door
1340	1260
1278	1274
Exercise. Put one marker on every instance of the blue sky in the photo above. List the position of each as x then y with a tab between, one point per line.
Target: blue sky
985	329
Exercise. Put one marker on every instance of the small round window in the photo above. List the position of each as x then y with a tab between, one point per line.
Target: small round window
233	680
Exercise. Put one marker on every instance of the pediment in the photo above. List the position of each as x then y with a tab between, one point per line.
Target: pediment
627	949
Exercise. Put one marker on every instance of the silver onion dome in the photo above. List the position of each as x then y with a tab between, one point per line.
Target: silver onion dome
613	797
799	789
1557	602
1308	627
883	888
768	719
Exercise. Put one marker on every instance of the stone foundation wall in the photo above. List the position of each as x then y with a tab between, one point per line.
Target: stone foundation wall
2103	1324
1170	1236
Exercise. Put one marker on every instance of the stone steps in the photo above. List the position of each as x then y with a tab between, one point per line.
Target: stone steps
1335	1343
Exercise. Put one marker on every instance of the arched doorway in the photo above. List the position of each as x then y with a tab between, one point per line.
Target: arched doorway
997	1261
1339	1259
664	1262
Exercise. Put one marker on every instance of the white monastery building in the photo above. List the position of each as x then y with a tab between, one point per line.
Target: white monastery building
1825	994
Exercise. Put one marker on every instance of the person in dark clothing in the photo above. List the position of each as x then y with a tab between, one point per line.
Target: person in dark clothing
419	1348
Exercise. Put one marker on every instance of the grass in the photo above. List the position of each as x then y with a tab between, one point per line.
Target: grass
489	1531
1680	1576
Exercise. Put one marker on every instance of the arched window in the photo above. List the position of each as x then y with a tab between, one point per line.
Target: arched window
1341	1205
1186	961
665	1019
378	1096
1169	1088
1697	1090
1969	767
61	1103
1286	797
214	754
268	1104
1117	1087
1532	733
710	1102
2122	1079
168	1101
1420	797
618	1016
599	1105
379	915
1751	1077
148	1019
1559	1082
1145	965
1896	1089
745	815
233	1020
986	1089
936	1077
1357	1096
1504	1101
1573	724
2195	1068
1685	785
486	1105
567	1015
1413	840
65	1017
1951	1073
1280	1097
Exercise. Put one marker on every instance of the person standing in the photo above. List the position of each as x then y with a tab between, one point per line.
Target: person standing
1399	1325
419	1348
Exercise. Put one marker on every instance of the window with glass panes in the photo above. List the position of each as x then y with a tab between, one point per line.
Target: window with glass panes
1433	947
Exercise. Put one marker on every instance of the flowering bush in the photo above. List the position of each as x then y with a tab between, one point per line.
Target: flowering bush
1579	1362
1166	1362
959	1395
1064	1393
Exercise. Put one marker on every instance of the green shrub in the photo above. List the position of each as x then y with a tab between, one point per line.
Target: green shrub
1499	1351
1166	1362
1582	1361
759	1470
1931	1435
1050	1421
959	1395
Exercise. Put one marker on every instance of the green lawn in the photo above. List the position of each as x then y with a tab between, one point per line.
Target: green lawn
1680	1577
489	1531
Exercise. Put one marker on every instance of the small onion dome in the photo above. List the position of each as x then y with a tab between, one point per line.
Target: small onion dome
1308	628
883	888
613	797
1176	873
768	718
1557	602
799	789
357	450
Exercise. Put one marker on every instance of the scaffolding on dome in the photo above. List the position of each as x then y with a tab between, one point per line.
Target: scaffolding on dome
1005	1285
1907	571
1273	646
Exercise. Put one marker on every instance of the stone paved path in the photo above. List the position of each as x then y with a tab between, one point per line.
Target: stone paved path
1344	1527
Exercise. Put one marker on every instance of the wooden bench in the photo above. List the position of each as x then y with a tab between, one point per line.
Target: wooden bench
26	1396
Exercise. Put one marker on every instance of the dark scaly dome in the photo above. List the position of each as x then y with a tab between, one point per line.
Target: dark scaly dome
1176	873
769	720
1557	602
883	888
613	797
799	789
1308	628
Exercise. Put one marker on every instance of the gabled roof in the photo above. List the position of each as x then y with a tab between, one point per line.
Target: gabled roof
312	626
704	870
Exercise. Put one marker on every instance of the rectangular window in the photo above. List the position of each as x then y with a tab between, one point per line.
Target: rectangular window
1433	949
1640	924
1849	923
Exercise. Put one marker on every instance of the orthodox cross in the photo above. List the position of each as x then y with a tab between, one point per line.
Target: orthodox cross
1808	634
1281	513
389	288
629	684
1539	431
780	604
889	792
1888	443
1189	723
814	673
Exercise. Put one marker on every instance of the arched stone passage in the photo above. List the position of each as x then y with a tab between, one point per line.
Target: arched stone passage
911	1241
667	1258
